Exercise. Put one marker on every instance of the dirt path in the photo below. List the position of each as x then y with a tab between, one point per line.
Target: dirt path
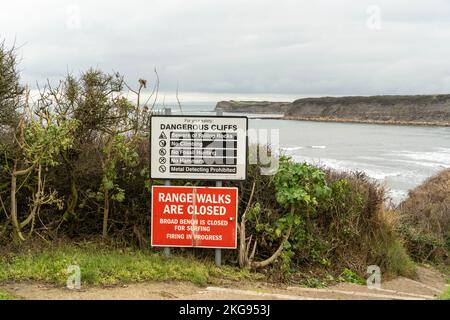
428	286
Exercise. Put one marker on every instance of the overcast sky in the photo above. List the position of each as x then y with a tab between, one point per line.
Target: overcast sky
275	50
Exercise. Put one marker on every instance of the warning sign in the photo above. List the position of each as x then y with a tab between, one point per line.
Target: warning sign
202	217
162	136
194	147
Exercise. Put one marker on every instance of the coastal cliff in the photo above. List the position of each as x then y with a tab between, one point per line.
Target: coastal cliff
414	110
253	106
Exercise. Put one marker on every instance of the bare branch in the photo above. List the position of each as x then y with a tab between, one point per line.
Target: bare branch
157	89
178	100
264	263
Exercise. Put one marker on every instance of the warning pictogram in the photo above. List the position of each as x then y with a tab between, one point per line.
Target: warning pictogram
162	136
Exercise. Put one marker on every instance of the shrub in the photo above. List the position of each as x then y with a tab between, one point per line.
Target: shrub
338	222
10	88
359	229
425	220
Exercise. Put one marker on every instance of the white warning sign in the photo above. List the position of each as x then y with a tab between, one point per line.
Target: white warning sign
197	147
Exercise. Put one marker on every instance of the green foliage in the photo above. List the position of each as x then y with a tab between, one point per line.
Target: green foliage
313	282
350	276
300	188
425	220
95	100
445	295
120	151
125	151
392	256
425	246
338	222
300	185
45	139
5	295
293	196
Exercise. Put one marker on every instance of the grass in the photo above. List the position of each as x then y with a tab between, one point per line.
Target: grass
107	266
5	295
446	294
398	261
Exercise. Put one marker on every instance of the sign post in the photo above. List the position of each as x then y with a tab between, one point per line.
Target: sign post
196	148
168	112
218	252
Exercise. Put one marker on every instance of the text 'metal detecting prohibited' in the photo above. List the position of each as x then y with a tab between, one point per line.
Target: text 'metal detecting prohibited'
199	148
203	217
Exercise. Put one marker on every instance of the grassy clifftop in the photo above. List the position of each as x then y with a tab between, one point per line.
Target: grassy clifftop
386	100
253	106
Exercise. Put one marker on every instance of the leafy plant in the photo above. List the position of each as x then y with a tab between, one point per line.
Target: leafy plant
298	189
40	138
350	276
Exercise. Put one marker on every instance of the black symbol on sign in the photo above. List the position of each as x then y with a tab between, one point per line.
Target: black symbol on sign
162	168
162	160
162	143
162	135
162	152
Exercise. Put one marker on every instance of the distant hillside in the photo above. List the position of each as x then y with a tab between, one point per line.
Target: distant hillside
253	106
420	109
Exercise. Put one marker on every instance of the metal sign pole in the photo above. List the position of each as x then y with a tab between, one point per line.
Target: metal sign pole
167	249
167	112
218	252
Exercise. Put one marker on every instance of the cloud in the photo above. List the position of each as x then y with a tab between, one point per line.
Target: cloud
240	48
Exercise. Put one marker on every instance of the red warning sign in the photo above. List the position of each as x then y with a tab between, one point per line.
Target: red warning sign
203	217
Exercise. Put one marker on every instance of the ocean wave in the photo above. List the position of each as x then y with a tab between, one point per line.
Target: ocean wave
421	163
376	172
371	158
435	157
445	150
289	149
397	196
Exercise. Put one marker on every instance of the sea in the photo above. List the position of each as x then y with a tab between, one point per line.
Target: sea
398	157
